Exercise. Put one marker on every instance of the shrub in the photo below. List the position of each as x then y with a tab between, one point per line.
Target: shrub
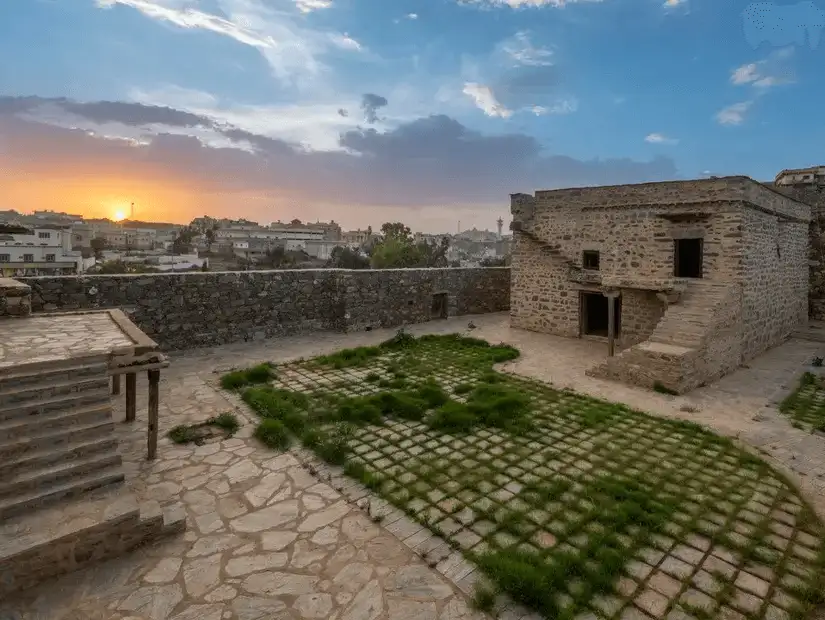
401	404
452	417
273	434
463	388
373	377
503	353
401	340
348	358
333	445
432	394
359	410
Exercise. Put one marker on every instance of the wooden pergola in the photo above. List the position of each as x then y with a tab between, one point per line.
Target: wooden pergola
153	374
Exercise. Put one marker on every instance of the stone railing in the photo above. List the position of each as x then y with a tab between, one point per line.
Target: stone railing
182	311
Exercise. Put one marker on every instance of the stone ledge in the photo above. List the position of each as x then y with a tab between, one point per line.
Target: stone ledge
54	541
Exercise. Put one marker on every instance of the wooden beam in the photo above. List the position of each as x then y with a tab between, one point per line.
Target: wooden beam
131	397
115	384
154	403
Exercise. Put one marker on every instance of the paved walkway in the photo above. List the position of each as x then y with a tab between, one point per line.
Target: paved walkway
268	541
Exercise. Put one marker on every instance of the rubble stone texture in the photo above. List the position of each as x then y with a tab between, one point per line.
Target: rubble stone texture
680	332
181	311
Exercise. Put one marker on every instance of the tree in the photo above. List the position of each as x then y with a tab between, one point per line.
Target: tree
394	253
435	254
210	234
182	244
98	245
396	230
347	258
275	257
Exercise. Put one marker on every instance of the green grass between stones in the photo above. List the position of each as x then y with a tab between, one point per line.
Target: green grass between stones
567	504
806	404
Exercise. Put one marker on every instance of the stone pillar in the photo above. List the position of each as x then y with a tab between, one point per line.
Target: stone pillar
15	299
611	321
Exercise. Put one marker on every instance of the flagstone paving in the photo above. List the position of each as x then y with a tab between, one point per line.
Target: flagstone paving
267	540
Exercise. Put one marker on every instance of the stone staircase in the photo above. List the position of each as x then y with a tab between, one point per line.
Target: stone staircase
695	342
56	433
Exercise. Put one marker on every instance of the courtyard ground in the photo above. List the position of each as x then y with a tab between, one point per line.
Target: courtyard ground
267	540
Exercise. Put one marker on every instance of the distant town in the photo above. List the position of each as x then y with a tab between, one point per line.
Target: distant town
55	243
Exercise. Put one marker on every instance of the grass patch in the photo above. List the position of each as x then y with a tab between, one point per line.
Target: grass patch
222	426
274	434
235	380
806	404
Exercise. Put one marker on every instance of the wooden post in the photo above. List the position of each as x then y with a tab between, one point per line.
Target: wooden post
131	397
115	384
154	402
611	326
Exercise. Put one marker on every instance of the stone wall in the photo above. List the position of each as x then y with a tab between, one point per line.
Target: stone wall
182	311
15	298
774	279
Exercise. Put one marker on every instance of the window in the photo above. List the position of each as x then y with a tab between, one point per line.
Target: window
49	258
28	258
5	258
44	235
687	258
590	260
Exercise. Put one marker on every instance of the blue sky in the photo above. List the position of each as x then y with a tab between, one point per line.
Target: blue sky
651	89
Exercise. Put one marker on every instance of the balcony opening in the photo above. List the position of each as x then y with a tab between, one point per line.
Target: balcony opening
687	258
594	315
590	260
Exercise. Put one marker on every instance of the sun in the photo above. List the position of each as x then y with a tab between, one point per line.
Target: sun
119	216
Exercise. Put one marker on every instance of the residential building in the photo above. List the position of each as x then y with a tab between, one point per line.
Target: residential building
41	250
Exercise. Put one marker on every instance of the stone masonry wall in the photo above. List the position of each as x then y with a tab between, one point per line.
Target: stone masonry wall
15	298
775	280
636	248
189	310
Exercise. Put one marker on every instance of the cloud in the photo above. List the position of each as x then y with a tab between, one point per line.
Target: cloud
411	16
370	104
733	114
565	106
658	138
522	4
307	6
521	51
765	73
428	161
670	5
485	100
293	51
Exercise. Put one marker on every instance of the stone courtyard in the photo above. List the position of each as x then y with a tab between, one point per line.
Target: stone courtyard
267	538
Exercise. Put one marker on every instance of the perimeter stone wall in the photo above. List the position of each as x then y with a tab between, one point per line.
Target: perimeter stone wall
182	311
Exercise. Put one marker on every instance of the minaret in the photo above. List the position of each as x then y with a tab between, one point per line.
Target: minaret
500	223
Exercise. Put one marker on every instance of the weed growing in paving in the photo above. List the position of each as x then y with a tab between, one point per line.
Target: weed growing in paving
806	405
221	426
566	503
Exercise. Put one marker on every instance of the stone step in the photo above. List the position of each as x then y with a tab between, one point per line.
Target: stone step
45	458
32	425
30	375
39	498
57	474
55	440
107	523
46	390
57	403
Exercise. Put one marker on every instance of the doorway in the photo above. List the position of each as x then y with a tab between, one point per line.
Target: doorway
438	310
687	258
594	315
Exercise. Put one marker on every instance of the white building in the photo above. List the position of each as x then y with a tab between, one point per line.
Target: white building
40	250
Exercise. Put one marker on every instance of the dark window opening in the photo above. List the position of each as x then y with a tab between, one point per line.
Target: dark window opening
687	258
590	260
438	309
594	314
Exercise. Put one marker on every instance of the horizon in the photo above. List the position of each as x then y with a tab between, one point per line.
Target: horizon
429	113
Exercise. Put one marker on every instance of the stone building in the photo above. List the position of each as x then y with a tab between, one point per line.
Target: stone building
698	276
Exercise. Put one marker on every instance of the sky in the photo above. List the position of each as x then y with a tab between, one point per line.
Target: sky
429	112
